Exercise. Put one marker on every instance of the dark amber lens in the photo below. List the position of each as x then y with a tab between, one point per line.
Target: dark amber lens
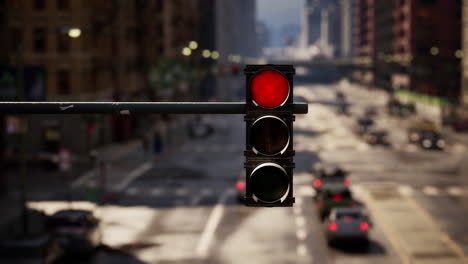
269	135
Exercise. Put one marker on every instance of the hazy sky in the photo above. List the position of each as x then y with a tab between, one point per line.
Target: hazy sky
279	12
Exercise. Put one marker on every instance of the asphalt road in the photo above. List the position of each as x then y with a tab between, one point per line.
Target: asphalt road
183	207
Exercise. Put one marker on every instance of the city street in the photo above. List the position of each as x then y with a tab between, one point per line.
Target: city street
182	207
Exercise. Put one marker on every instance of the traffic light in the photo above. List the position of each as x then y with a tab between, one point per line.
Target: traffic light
269	142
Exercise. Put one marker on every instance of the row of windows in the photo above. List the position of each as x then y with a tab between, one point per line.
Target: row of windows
42	4
39	40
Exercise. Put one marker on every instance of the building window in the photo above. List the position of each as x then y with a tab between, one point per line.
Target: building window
63	43
40	40
63	82
39	4
63	4
16	39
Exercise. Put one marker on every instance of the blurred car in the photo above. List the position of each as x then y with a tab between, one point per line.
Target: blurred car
397	108
377	137
330	198
42	249
330	177
240	188
347	225
431	140
340	96
77	231
425	133
364	124
343	108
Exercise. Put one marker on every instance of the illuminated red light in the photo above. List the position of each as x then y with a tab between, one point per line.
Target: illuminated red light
317	183
336	197
269	89
347	182
332	226
240	186
364	226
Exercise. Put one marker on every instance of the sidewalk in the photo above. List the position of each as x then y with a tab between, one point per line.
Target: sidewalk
119	160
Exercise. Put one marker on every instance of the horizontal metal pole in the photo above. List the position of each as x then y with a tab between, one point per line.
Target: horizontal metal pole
127	108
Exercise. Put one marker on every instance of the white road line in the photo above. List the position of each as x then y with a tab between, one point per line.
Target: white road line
133	175
405	190
306	191
132	191
210	228
297	210
431	191
298	201
455	191
207	191
300	221
196	200
301	234
156	191
181	191
301	250
84	178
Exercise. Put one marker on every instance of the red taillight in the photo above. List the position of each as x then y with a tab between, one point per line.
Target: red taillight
364	226
240	185
332	226
317	183
269	89
347	182
336	197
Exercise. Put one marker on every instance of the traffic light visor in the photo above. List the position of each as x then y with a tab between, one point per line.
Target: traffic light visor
269	183
269	89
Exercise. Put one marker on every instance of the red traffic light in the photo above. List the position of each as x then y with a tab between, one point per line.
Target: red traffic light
269	136
269	89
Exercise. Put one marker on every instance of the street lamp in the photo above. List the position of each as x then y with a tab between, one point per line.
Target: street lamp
215	55
193	45
206	53
186	51
74	32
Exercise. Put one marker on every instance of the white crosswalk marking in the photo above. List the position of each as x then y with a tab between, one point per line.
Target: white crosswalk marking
455	191
431	191
405	190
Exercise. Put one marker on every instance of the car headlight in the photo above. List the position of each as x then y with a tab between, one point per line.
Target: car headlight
427	143
440	143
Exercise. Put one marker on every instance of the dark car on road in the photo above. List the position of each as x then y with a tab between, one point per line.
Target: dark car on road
364	124
377	137
332	198
347	225
329	177
77	231
41	249
397	108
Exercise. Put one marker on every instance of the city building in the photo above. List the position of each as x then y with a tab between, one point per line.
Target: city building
363	41
383	43
464	54
94	50
346	28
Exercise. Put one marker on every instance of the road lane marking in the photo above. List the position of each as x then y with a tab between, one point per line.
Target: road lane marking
300	221
301	250
405	190
431	191
455	191
455	247
133	175
213	221
301	234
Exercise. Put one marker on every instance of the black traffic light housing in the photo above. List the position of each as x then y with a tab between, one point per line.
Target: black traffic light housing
269	140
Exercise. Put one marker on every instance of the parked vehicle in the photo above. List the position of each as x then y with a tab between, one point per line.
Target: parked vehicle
377	137
77	231
41	249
